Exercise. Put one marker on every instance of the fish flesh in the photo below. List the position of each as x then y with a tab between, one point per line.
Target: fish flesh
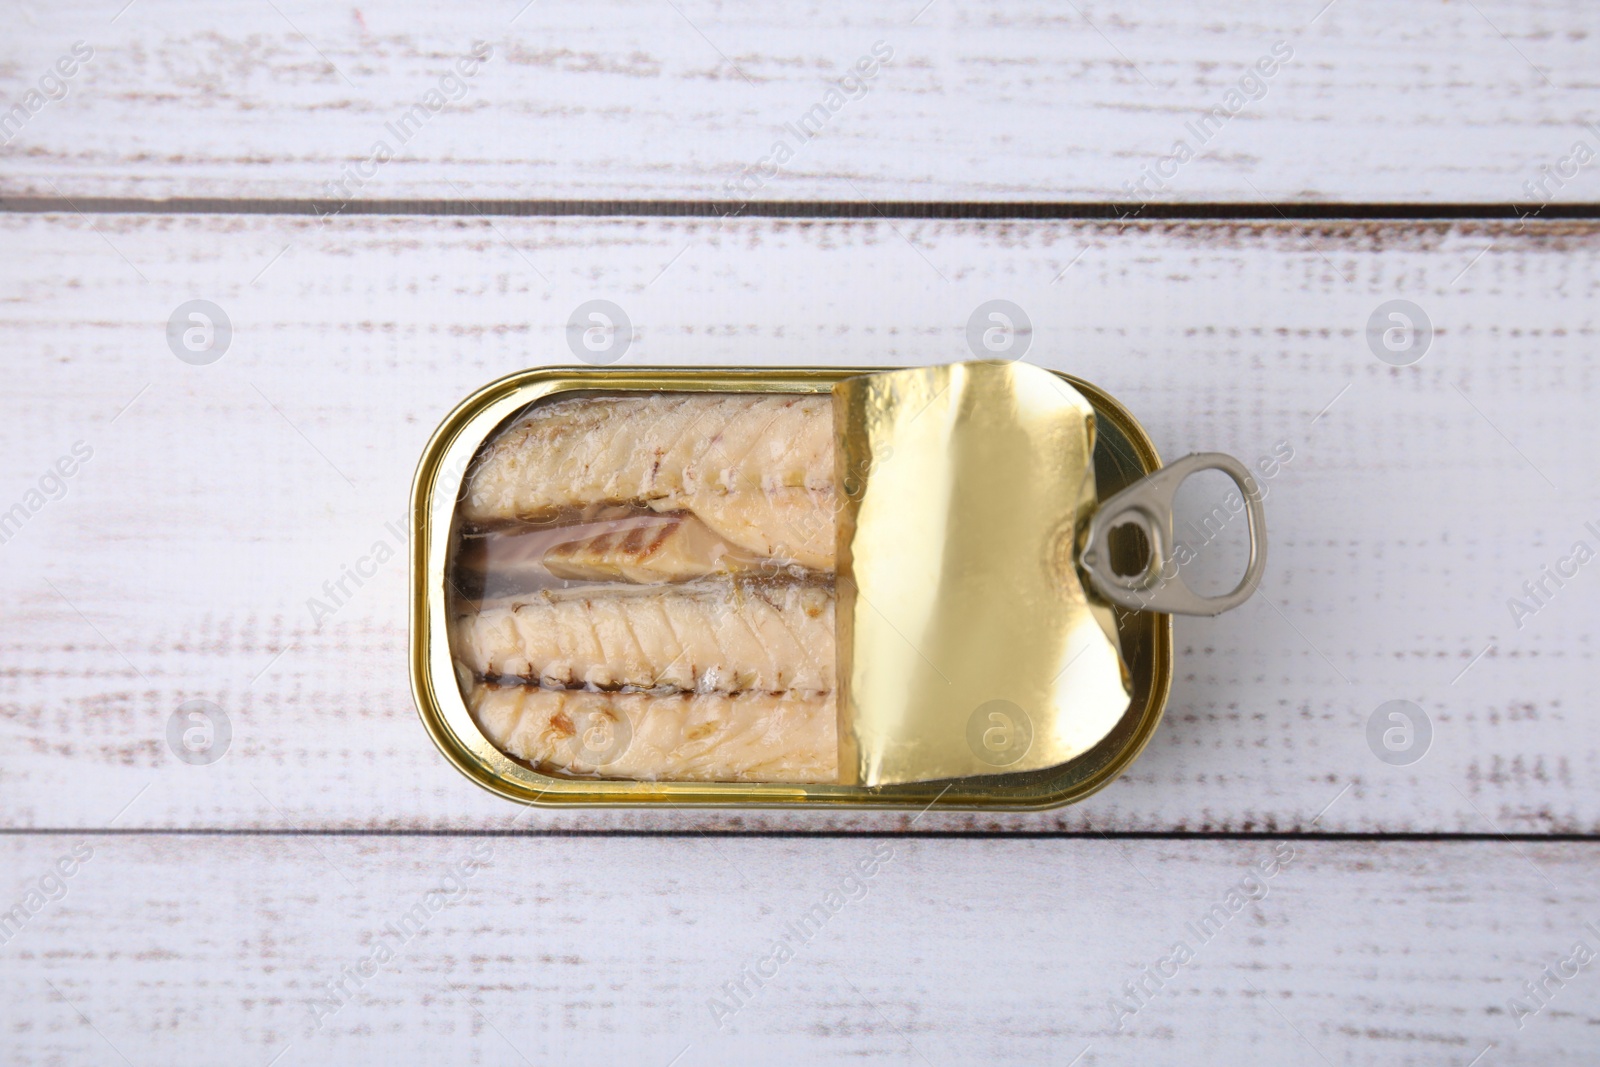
709	635
688	737
660	548
590	449
639	547
757	470
644	588
782	523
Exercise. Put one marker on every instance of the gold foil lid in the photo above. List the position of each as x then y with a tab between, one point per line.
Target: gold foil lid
967	645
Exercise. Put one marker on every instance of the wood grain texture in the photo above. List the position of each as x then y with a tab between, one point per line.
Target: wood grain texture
219	499
211	950
1030	100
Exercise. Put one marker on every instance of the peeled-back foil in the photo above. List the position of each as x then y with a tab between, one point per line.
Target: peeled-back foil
967	644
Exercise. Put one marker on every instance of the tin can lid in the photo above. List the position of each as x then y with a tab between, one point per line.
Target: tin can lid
975	580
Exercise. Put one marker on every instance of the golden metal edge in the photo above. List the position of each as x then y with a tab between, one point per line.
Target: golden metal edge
499	775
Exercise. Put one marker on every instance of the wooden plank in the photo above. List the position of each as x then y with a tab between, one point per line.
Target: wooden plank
1411	101
227	949
219	499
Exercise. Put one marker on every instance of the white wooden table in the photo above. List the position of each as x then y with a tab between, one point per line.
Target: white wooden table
330	890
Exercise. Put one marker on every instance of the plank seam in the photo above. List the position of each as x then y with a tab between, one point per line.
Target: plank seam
786	209
996	835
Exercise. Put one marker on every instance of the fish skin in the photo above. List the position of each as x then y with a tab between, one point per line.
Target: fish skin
707	737
710	635
757	469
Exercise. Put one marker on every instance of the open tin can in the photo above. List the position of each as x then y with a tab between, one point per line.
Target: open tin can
1128	583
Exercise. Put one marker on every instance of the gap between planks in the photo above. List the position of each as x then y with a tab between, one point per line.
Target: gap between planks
978	835
798	209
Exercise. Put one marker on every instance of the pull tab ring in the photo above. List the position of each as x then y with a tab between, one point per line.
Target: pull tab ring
1147	504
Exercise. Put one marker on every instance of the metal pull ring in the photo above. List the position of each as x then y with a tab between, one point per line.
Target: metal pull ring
1147	505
